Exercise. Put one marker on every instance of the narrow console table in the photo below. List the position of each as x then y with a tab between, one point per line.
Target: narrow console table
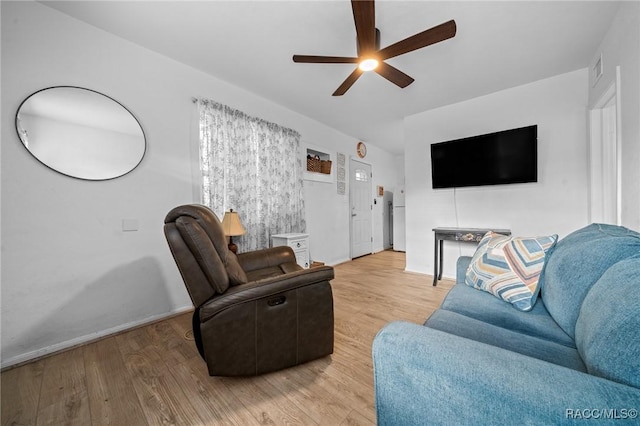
471	235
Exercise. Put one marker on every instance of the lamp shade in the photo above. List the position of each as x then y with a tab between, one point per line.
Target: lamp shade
231	224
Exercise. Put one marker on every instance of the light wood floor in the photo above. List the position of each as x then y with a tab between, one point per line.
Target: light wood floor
153	375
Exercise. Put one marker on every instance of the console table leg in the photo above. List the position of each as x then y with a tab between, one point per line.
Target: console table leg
435	262
440	270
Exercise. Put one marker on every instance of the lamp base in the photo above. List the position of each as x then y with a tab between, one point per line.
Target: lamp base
233	247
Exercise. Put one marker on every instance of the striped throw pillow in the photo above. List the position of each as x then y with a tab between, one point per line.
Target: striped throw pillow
509	267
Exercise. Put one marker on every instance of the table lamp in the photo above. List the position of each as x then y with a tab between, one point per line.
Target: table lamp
232	228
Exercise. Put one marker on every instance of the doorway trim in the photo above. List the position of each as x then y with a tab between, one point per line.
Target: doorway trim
605	157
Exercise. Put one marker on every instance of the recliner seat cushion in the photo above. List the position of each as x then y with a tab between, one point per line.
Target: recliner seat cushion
260	274
577	262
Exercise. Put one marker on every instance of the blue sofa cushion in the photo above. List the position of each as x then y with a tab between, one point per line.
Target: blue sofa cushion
470	328
577	262
482	306
608	327
423	376
509	267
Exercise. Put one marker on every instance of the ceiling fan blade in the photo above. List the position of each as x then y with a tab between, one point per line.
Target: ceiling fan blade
348	82
394	75
324	59
431	36
364	16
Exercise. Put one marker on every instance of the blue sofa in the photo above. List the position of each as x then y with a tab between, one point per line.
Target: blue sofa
478	361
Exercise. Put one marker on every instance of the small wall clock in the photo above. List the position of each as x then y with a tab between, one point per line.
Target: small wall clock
361	149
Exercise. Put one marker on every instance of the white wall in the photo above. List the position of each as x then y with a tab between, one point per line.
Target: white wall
557	203
328	212
69	272
621	47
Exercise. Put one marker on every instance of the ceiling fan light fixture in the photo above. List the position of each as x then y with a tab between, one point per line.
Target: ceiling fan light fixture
368	64
370	57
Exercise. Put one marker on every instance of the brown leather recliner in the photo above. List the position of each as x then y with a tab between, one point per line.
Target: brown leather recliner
256	312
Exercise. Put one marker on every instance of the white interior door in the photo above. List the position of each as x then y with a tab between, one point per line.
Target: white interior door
361	208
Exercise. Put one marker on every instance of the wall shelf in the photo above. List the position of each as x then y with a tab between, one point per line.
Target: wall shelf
324	155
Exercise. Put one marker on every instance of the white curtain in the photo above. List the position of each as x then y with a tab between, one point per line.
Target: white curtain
253	167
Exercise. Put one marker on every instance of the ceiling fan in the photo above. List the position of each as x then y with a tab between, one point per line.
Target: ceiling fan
370	56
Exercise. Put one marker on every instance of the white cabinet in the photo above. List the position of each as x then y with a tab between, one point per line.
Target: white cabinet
298	242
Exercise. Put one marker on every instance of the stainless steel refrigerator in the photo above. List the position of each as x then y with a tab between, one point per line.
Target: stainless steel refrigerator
399	238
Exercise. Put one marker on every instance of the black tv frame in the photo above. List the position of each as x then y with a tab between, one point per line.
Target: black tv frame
504	157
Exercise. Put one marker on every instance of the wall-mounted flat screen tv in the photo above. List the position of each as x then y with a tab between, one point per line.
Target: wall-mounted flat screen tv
509	156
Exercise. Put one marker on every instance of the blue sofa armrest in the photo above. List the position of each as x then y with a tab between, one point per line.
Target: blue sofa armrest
426	376
461	268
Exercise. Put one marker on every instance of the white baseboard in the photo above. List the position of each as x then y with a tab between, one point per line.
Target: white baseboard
338	261
429	274
87	338
415	271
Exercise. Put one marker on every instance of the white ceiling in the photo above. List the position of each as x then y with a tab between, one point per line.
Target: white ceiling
250	44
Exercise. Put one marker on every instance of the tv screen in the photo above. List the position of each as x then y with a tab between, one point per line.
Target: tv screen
510	156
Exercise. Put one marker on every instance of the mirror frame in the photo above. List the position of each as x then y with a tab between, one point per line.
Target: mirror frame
144	136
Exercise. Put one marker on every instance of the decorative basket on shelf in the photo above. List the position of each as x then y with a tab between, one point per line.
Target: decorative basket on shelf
325	167
313	165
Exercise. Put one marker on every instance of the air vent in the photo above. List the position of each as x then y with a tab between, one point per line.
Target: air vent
597	70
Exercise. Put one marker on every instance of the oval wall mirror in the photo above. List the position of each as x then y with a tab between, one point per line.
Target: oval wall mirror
80	133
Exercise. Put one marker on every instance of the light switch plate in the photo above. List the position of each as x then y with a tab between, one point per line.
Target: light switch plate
129	225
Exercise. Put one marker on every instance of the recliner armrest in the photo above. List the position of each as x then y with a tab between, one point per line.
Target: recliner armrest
266	258
264	288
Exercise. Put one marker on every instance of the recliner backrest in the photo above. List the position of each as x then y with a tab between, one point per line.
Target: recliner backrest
199	247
